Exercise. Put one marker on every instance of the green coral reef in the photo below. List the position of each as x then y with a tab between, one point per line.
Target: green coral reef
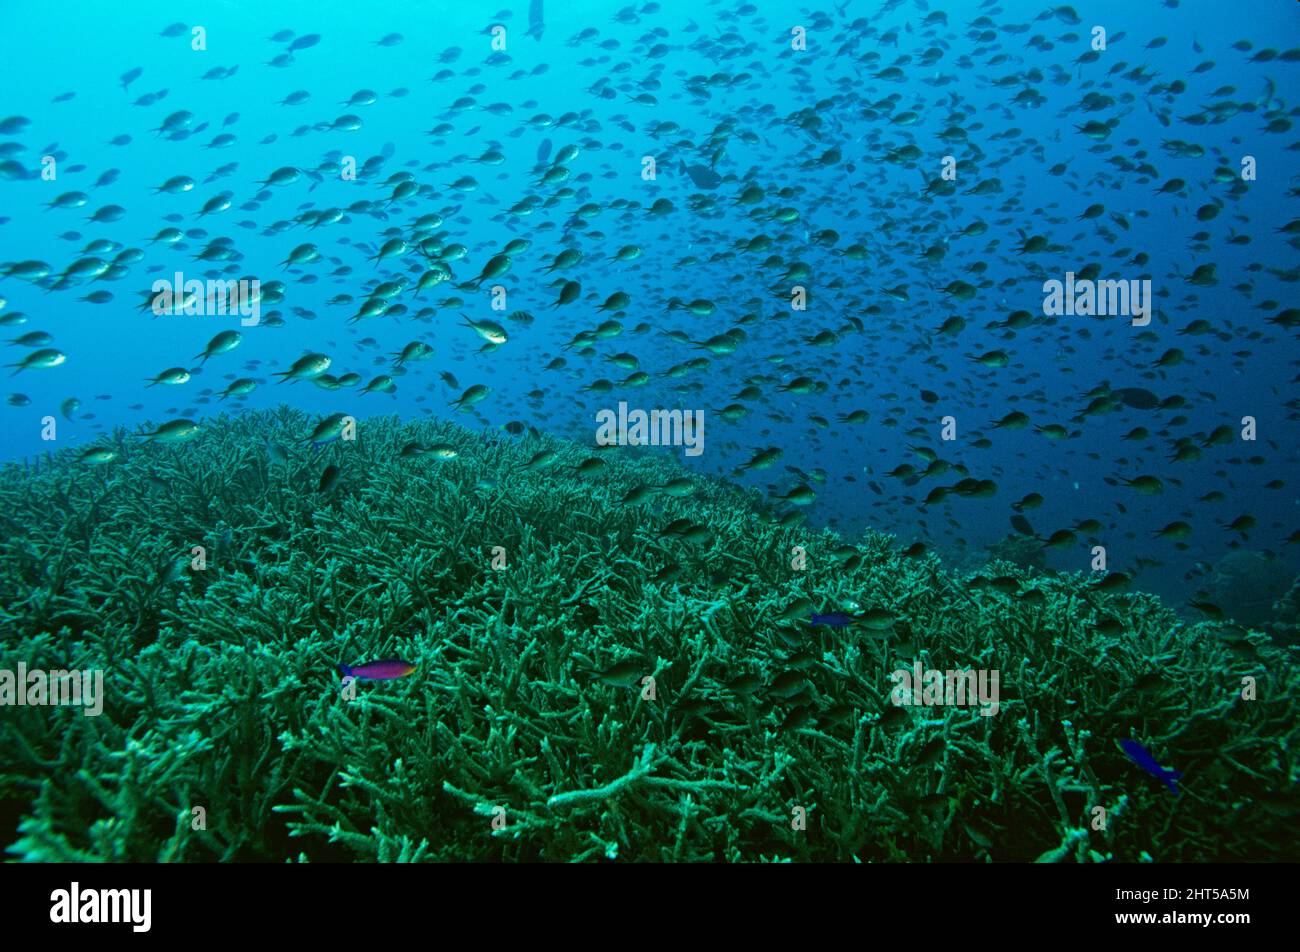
535	596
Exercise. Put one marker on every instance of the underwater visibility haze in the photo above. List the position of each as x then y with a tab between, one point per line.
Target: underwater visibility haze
650	431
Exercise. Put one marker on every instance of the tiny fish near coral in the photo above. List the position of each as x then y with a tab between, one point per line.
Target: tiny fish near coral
389	669
1142	757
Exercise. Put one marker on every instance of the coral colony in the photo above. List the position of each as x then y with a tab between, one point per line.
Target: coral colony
646	685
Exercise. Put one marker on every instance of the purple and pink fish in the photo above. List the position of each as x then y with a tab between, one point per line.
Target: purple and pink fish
387	670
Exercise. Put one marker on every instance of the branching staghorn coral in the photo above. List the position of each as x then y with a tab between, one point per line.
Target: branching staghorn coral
534	602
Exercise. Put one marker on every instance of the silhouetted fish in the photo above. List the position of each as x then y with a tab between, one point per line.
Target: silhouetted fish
536	23
1138	399
702	176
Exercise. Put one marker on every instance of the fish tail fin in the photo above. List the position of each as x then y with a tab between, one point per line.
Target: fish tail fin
344	670
1170	779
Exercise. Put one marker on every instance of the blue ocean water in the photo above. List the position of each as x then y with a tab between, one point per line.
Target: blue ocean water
845	140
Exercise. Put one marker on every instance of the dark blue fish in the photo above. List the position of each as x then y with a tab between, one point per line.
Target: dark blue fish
1142	757
535	24
834	620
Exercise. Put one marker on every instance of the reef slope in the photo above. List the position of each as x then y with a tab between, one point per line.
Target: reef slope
527	731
